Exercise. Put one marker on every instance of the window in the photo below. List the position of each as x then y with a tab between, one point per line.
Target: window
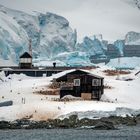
96	82
25	60
76	82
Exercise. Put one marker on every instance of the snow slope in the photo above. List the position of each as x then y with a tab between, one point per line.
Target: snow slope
13	39
125	62
123	94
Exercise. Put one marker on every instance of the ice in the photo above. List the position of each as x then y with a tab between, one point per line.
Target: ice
52	40
119	44
91	46
125	62
50	34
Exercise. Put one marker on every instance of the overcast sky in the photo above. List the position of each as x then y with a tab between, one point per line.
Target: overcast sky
112	18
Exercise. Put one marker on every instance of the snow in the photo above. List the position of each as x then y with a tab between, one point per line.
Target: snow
125	62
123	94
70	97
12	38
7	63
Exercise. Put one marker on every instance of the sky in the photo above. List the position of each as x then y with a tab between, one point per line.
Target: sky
111	18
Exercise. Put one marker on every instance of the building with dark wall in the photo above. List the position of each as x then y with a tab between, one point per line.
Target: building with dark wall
131	50
112	51
80	83
25	61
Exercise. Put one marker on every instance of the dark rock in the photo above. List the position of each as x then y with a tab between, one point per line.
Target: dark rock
137	118
39	125
104	126
73	120
130	121
4	125
118	120
87	122
105	123
15	125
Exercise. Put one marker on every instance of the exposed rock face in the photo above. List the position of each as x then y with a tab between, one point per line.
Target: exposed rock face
137	3
106	123
104	126
132	38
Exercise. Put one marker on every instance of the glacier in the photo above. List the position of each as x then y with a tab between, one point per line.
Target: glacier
50	34
53	40
91	46
119	44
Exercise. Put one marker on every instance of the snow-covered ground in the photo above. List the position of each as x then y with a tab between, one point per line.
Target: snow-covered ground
41	107
125	62
7	63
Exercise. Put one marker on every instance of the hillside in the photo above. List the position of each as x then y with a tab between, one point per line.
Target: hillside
122	94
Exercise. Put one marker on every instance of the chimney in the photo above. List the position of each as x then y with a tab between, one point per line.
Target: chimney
54	64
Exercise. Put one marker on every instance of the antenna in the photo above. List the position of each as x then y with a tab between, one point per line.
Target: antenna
119	60
30	47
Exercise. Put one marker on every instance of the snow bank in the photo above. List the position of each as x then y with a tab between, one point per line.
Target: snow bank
123	94
125	62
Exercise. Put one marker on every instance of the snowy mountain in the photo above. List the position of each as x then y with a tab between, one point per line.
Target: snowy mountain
52	39
13	38
50	34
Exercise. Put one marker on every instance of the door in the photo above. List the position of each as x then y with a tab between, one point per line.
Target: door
95	94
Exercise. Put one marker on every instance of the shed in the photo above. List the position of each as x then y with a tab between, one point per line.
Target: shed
25	61
81	83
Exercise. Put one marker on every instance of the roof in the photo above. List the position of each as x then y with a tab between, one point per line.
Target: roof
137	73
64	73
26	55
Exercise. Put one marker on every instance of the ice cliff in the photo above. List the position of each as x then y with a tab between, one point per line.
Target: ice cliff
52	39
50	34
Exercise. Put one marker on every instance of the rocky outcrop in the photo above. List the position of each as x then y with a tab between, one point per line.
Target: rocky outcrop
104	126
132	38
108	123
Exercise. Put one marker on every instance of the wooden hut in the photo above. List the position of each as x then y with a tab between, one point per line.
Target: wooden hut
25	61
81	83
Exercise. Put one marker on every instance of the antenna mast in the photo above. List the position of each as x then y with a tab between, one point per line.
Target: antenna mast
119	60
30	47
